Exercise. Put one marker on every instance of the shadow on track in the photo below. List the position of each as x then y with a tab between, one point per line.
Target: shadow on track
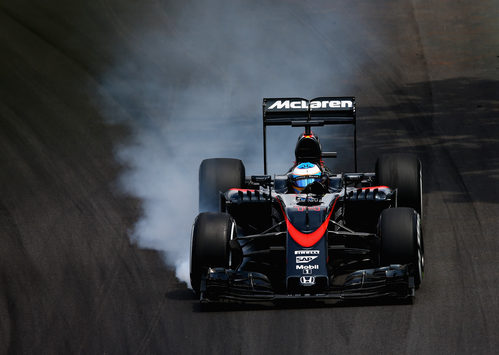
187	295
449	122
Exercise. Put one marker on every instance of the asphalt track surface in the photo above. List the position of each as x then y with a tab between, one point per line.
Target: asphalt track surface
426	77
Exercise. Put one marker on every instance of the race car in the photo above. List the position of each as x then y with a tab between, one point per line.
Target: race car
310	233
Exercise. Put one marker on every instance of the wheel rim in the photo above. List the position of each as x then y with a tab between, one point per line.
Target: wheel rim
420	257
421	191
232	231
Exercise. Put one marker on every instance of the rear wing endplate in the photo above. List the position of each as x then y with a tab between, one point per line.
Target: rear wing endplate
298	112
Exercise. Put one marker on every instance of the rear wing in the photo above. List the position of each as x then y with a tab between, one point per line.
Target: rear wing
298	112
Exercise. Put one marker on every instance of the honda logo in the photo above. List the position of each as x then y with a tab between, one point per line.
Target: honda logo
307	280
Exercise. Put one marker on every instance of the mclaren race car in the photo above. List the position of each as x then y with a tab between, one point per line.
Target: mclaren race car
311	233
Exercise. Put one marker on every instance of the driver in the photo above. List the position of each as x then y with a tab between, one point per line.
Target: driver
303	175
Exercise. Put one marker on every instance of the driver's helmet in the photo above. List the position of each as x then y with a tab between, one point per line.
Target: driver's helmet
304	174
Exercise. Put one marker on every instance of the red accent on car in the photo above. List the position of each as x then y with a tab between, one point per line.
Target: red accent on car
375	187
308	239
242	190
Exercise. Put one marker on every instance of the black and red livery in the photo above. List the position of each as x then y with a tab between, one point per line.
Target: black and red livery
347	236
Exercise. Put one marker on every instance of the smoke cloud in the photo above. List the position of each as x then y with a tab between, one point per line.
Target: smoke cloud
192	80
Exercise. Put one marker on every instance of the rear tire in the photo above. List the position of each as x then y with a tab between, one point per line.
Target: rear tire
402	240
215	176
210	244
402	171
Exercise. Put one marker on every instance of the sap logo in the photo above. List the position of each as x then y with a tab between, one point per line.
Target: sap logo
307	267
307	280
303	104
305	259
307	252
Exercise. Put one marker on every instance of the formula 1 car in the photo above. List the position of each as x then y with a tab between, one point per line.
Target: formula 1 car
311	233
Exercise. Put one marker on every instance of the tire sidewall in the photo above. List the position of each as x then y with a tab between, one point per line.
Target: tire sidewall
210	244
403	172
402	240
215	176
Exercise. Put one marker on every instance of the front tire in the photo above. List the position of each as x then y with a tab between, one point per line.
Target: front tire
402	240
210	244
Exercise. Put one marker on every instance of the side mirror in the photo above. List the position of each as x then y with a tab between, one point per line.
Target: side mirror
263	180
353	177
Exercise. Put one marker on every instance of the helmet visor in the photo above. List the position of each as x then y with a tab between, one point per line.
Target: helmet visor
302	182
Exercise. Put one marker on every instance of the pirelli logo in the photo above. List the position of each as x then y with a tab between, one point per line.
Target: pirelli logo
307	252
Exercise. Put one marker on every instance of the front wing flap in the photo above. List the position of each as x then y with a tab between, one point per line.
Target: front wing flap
221	285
